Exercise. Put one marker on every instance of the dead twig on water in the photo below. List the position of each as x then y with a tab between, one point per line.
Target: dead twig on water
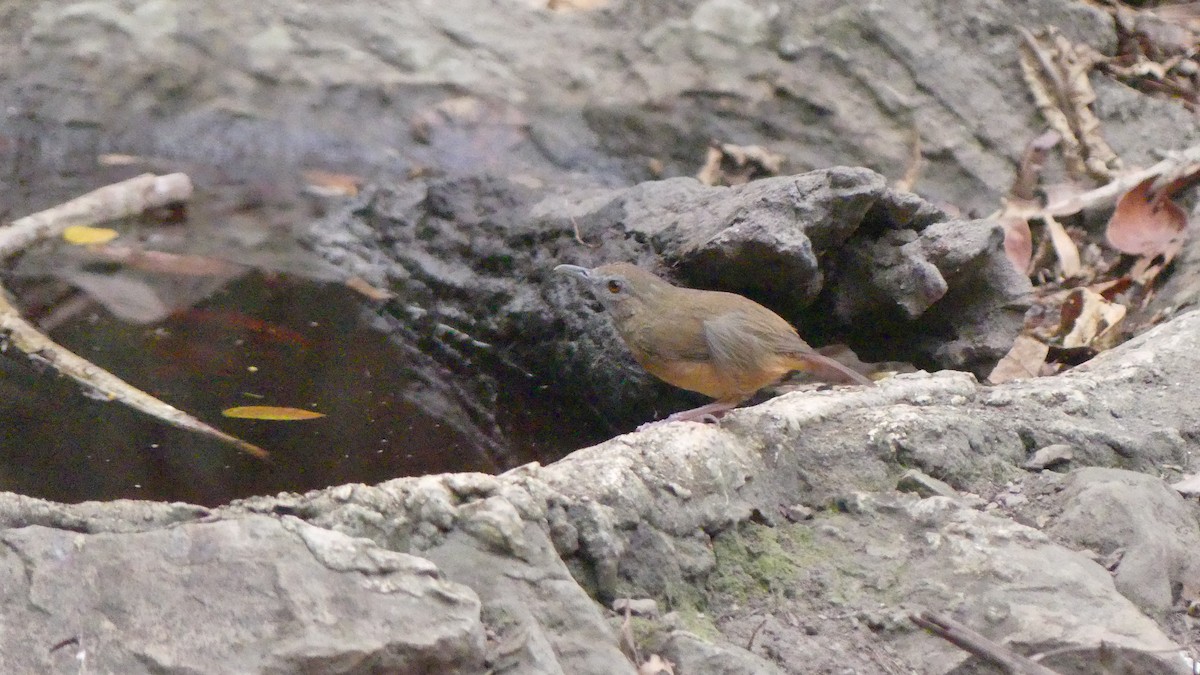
112	202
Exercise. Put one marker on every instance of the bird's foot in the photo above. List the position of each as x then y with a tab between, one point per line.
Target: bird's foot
705	414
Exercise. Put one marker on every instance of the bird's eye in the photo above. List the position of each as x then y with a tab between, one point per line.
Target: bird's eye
614	286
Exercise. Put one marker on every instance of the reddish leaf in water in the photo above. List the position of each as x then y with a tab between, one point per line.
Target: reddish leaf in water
263	330
1147	224
168	263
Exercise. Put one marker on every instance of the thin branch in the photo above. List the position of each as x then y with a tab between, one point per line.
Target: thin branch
108	203
111	202
1113	190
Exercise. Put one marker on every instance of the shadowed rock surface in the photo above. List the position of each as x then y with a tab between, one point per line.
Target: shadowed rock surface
836	252
255	594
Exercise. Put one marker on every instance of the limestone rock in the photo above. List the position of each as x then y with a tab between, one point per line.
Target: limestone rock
252	595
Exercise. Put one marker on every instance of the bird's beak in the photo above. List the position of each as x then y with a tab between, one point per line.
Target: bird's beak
575	271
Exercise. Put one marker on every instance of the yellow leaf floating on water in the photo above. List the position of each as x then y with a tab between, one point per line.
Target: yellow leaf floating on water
271	412
82	235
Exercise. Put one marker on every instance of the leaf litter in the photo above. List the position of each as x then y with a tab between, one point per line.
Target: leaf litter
1091	284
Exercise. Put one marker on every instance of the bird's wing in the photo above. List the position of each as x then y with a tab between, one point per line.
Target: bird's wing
743	341
673	336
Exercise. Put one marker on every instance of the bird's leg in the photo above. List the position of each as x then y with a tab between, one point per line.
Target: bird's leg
708	413
705	413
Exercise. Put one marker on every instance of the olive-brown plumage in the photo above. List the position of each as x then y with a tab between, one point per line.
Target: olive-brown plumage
719	344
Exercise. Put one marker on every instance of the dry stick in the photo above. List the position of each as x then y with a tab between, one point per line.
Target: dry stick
111	202
108	203
966	639
1113	190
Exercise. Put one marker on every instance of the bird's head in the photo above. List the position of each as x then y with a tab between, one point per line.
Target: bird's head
622	288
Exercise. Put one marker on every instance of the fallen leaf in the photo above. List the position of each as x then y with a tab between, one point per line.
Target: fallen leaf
1146	270
263	331
117	159
1070	356
728	164
1146	224
1033	160
83	235
128	298
1056	72
364	288
329	184
271	412
1087	318
1109	290
1018	241
1064	247
180	264
1024	360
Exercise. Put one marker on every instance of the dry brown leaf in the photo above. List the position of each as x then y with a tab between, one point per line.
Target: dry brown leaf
1033	160
1064	247
728	164
162	262
1110	289
1087	319
1018	241
329	184
1146	224
1056	72
1023	361
656	665
364	288
116	159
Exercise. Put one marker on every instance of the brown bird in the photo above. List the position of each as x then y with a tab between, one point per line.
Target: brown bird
719	344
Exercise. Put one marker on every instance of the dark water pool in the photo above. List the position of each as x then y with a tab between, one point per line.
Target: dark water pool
206	342
261	340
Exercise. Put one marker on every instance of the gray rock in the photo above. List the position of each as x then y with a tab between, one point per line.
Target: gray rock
252	595
694	656
636	606
345	84
1050	456
924	485
1156	531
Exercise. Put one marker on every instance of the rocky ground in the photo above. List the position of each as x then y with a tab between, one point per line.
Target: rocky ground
796	537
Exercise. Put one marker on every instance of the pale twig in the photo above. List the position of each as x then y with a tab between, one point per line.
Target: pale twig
111	202
115	201
915	165
578	236
1112	191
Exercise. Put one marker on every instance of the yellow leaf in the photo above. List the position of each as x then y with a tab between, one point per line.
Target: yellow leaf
82	235
271	412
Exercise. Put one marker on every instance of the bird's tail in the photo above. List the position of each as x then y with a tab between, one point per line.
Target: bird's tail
827	369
